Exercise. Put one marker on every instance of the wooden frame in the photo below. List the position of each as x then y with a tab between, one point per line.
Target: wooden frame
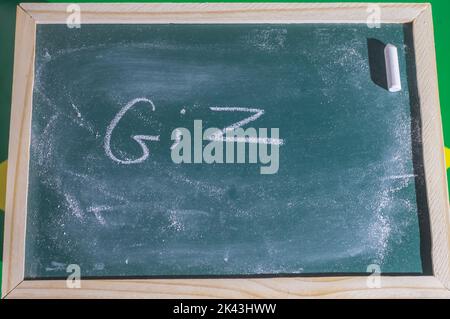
28	15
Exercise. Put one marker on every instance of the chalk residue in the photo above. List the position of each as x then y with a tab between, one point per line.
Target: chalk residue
76	110
203	187
74	205
398	177
98	210
43	147
175	222
56	266
268	39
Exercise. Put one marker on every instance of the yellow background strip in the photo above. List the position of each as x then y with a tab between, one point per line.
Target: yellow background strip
447	157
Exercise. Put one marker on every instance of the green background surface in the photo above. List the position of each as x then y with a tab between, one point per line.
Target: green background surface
441	15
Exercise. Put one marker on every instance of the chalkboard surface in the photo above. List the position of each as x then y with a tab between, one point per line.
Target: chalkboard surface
105	194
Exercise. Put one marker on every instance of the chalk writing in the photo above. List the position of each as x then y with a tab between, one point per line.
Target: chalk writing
258	112
138	138
217	136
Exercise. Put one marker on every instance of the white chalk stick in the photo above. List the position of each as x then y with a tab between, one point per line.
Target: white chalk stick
392	68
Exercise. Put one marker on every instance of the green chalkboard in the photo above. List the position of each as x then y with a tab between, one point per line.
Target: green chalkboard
341	187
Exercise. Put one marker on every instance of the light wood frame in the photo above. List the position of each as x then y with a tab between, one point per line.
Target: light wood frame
28	15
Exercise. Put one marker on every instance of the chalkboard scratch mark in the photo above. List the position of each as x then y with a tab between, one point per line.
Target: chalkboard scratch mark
76	110
74	205
56	266
111	195
44	148
98	209
175	223
199	186
400	177
227	256
101	187
268	39
100	218
81	121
